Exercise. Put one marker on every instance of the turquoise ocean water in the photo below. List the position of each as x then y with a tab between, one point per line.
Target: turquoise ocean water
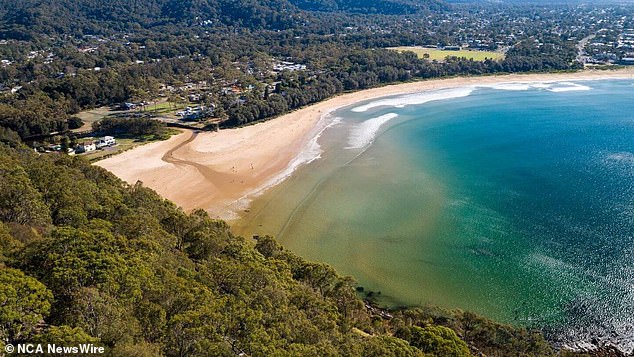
515	201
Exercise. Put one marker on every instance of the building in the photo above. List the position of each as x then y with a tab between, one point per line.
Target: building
105	141
109	140
86	147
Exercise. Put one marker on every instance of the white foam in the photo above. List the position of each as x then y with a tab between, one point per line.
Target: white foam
413	99
442	94
569	86
364	134
514	86
554	87
310	152
542	85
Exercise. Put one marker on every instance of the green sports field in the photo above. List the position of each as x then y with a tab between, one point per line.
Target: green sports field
440	55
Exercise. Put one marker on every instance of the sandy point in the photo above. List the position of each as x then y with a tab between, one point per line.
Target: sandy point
220	171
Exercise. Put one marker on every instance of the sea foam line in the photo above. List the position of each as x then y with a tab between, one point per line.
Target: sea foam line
364	134
451	93
310	152
413	99
569	87
550	86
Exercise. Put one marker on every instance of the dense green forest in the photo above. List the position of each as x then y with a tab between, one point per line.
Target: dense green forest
20	17
66	56
85	257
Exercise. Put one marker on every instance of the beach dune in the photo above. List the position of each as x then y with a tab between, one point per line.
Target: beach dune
220	171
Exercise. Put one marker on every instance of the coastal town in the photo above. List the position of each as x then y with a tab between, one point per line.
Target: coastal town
604	34
207	89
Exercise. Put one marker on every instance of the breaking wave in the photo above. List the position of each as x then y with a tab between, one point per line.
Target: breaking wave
555	87
310	152
568	87
413	99
364	134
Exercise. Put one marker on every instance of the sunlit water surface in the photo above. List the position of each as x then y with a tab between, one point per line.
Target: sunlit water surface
515	201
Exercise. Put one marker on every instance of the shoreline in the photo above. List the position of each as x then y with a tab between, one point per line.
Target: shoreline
222	171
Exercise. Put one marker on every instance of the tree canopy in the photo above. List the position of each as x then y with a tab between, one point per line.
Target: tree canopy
99	261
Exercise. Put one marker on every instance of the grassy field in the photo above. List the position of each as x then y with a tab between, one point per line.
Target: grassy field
440	55
93	115
165	108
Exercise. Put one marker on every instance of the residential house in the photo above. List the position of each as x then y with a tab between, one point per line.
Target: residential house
105	141
86	147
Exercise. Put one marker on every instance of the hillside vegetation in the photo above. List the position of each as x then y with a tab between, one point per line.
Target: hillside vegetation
248	60
85	257
89	16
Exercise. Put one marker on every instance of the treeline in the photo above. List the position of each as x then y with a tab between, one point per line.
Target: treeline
390	7
129	127
45	105
81	17
365	69
98	17
85	257
157	42
28	121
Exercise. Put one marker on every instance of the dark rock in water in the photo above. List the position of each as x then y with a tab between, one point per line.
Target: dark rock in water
593	328
607	351
596	348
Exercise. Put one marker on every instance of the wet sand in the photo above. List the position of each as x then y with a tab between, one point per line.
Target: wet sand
219	171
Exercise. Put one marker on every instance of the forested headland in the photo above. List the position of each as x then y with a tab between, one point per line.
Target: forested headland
87	258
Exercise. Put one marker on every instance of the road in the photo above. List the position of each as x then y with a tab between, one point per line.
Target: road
580	47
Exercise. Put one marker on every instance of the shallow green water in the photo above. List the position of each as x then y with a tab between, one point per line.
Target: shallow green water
513	201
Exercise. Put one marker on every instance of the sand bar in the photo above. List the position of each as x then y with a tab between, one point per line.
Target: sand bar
219	171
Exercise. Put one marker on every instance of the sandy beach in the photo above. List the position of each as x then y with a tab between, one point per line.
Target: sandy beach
220	171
